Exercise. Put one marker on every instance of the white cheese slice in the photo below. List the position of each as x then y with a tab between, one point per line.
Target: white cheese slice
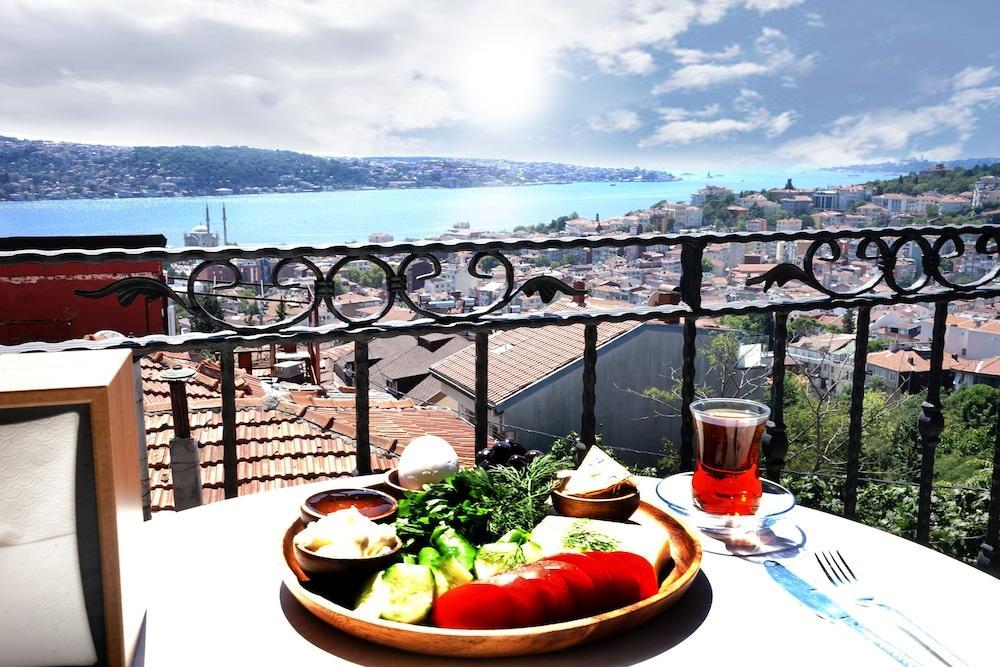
598	474
652	542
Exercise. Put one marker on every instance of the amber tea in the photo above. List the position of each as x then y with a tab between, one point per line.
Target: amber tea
727	451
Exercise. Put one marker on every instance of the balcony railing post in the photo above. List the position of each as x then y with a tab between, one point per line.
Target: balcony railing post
361	402
931	423
989	551
230	454
857	413
588	420
775	440
690	288
482	389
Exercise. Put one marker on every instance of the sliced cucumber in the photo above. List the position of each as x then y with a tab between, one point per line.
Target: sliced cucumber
409	592
496	558
441	583
372	599
515	535
531	551
429	556
455	572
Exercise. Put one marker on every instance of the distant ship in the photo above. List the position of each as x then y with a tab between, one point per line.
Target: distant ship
613	184
709	175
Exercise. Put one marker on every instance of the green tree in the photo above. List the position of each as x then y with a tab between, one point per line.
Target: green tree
759	324
849	320
211	304
281	312
878	344
249	305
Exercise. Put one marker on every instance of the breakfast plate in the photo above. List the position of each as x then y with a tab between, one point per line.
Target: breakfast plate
675	578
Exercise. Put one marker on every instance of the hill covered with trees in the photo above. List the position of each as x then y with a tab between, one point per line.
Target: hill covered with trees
61	170
951	181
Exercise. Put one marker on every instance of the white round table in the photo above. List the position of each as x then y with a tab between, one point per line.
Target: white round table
215	597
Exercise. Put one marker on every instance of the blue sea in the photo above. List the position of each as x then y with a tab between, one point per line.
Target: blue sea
344	216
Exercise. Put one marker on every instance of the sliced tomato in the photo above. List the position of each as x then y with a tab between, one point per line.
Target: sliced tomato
474	606
607	592
626	586
581	586
527	610
550	591
641	571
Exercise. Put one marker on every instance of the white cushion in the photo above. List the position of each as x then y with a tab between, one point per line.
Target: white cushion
43	616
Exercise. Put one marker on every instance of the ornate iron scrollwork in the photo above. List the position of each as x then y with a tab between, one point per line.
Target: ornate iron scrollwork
875	248
322	290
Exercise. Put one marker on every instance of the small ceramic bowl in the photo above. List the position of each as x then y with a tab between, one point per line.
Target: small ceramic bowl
378	506
609	509
315	565
391	483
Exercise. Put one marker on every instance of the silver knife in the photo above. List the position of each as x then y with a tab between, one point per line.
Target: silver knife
823	605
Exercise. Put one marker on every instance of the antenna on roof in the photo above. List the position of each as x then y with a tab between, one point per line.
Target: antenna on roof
225	233
208	221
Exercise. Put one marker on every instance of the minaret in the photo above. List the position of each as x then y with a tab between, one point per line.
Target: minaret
225	234
208	221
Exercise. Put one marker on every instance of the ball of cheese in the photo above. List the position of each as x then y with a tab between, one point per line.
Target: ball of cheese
426	460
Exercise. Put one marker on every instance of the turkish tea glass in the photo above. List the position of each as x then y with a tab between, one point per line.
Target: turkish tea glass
727	433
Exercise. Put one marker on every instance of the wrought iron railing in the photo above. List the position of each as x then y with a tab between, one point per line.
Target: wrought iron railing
880	248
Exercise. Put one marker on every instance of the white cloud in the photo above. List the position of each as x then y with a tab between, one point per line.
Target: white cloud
937	131
772	5
815	20
697	56
681	127
632	61
970	77
772	55
335	77
616	120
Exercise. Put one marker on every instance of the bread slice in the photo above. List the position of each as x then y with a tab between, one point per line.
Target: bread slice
599	476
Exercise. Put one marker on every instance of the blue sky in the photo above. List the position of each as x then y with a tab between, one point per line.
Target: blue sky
675	84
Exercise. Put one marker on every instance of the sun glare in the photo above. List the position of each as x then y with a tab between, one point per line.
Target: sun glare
502	85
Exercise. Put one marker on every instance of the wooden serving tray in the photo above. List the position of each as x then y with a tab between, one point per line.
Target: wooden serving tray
685	550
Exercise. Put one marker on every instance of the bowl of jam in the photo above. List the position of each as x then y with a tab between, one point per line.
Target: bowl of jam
378	506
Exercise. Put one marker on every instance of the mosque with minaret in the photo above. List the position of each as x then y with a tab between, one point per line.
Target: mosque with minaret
202	236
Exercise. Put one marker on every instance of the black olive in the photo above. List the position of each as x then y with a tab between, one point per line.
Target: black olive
500	452
517	461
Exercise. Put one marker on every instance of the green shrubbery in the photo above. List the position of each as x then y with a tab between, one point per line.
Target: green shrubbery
958	515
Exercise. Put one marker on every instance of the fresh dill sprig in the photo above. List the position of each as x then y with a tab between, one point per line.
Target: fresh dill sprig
579	536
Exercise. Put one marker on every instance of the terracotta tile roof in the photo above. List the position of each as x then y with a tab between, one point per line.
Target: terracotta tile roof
900	361
306	439
521	357
993	326
989	366
203	385
394	313
275	448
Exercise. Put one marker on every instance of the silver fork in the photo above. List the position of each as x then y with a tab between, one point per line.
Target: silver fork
839	573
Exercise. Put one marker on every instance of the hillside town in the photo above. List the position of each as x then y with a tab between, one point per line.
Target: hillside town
637	276
48	170
428	380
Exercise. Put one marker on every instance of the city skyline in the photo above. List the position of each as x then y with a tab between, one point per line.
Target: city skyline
664	85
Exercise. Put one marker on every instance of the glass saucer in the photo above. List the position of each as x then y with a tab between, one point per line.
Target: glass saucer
775	503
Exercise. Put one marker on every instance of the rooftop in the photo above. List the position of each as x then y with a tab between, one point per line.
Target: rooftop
520	357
